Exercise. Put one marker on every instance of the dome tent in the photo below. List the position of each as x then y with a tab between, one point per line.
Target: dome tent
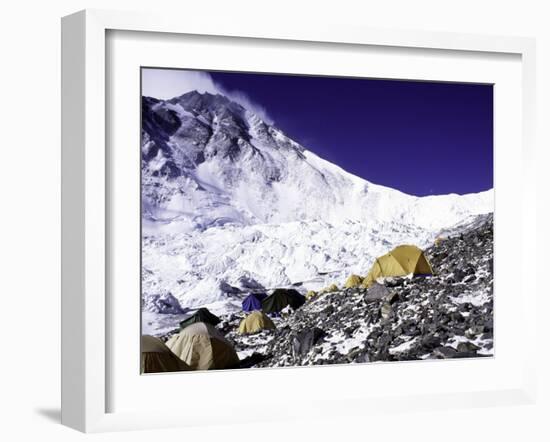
201	315
280	298
401	261
253	302
156	357
353	281
311	294
203	347
330	289
255	322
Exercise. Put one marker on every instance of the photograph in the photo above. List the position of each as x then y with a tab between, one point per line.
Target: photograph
293	220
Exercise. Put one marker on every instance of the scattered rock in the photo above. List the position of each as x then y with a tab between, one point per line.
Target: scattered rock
445	352
385	310
465	347
430	342
391	298
473	331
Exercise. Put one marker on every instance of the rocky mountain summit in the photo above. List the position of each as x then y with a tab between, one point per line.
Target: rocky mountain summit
447	315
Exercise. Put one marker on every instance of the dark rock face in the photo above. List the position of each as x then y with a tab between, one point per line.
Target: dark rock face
182	133
158	125
448	315
303	341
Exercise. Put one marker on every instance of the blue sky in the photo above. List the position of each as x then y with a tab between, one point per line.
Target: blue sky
422	138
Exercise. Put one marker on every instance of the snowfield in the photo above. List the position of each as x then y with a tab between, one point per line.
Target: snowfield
230	204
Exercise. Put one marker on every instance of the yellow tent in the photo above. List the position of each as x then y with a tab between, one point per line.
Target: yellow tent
330	288
157	357
311	294
203	347
255	322
353	281
401	261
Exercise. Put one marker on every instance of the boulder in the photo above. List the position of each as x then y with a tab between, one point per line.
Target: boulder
303	341
445	352
377	292
464	347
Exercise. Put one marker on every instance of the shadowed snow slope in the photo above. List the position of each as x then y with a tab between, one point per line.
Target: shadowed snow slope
229	200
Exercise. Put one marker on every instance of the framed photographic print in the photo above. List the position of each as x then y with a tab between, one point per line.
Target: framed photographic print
250	207
286	258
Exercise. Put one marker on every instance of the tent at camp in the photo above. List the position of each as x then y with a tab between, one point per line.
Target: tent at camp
202	347
401	261
331	288
353	281
280	298
253	302
311	294
156	357
201	315
255	322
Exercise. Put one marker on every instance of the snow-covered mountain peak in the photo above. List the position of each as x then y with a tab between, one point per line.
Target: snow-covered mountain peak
208	160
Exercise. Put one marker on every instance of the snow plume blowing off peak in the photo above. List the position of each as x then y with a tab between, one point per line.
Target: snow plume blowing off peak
168	83
230	202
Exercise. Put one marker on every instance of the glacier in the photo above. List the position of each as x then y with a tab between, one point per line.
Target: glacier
231	204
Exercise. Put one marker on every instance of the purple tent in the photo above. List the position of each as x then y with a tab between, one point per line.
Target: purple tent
253	302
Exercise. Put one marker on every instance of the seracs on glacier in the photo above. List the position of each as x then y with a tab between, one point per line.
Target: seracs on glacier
231	204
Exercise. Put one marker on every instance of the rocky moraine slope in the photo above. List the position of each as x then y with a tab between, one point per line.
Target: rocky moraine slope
448	315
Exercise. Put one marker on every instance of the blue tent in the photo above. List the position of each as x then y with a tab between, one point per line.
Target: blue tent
253	302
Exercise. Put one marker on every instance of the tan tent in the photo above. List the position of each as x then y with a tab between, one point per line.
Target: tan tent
353	281
255	322
157	357
203	347
401	261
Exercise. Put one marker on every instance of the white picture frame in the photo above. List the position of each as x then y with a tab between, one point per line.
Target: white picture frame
85	214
